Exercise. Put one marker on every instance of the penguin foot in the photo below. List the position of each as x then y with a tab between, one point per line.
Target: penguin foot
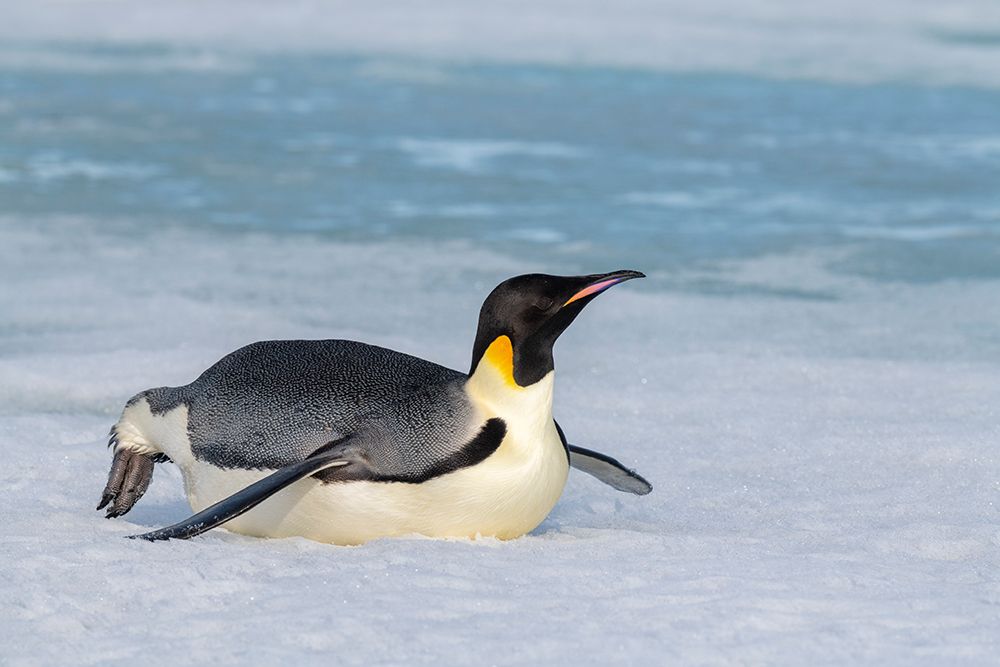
129	478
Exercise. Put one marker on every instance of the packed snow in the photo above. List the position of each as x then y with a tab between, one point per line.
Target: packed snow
825	472
809	377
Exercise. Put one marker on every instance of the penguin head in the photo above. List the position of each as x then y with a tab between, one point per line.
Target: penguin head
523	316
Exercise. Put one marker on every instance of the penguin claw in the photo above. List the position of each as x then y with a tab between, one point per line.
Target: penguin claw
128	480
105	499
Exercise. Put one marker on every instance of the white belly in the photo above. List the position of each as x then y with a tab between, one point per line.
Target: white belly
505	496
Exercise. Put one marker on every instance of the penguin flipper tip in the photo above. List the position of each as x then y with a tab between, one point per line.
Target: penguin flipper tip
608	470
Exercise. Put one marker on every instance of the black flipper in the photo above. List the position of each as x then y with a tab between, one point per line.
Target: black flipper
608	470
604	468
250	497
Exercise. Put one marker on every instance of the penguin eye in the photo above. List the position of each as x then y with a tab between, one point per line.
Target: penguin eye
543	303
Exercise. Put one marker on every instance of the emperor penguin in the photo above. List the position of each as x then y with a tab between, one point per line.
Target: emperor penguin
343	442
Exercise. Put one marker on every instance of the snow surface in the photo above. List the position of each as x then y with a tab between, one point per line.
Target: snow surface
825	471
820	420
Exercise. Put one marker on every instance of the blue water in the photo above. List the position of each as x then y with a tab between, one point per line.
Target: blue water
574	167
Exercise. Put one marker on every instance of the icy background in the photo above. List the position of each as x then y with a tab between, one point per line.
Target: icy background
809	377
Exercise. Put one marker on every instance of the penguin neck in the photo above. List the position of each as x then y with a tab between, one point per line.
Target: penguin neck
493	386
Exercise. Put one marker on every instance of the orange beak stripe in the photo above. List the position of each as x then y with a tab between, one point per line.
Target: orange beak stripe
596	288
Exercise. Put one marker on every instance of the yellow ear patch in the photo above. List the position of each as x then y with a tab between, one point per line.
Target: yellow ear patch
500	355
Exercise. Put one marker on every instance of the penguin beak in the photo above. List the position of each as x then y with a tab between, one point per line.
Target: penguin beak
598	283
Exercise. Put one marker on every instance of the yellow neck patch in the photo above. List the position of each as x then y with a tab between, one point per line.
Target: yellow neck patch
500	355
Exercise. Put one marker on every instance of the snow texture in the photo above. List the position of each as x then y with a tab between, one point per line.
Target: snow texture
825	472
820	423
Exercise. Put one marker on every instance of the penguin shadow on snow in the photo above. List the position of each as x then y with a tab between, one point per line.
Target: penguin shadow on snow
167	493
586	511
150	516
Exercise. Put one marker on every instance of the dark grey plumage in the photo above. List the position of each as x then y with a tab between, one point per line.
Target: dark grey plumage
272	403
